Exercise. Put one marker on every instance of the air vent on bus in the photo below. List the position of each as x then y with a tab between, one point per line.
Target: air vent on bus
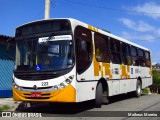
35	76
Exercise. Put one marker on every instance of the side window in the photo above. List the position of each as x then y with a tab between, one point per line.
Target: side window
101	48
83	38
141	57
134	54
126	54
115	47
147	60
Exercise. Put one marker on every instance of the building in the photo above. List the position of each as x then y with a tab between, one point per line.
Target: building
6	67
156	66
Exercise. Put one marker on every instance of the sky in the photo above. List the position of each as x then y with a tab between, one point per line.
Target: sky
134	20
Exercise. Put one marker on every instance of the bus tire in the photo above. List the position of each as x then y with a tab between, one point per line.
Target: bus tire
99	95
138	91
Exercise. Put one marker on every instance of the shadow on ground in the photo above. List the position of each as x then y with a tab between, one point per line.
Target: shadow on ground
66	108
56	108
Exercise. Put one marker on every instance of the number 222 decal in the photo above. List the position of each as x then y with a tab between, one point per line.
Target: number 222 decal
44	83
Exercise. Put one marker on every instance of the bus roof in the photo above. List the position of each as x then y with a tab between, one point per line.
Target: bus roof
77	22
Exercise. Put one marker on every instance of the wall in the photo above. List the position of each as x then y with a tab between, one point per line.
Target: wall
6	72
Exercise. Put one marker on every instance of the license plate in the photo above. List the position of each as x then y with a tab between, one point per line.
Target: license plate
35	94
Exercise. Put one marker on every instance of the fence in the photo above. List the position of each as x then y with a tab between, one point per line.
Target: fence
155	89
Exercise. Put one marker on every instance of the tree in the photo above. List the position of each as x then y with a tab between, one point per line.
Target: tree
156	77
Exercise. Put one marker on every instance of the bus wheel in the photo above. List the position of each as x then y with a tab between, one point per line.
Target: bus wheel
138	91
105	99
99	95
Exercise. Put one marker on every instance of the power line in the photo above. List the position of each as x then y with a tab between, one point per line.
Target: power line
112	23
90	14
115	9
53	3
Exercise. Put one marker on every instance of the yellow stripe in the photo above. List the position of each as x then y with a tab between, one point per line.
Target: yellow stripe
36	60
92	28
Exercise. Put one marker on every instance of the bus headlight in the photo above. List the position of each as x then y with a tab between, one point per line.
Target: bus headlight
64	83
15	85
69	79
55	87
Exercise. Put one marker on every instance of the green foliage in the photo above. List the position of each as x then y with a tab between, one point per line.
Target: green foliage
5	107
156	77
145	91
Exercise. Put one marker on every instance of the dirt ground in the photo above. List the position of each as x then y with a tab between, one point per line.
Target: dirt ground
9	102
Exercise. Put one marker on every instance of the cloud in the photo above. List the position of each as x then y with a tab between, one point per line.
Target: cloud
149	9
134	37
157	32
128	23
144	27
127	35
139	26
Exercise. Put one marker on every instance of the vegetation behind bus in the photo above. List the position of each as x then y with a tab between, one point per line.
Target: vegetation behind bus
155	88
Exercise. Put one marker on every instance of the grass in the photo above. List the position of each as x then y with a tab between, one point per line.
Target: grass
145	91
4	107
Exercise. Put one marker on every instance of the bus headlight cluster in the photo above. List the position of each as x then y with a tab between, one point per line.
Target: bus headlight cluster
64	83
15	85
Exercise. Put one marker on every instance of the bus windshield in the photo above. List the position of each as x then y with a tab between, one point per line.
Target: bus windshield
45	53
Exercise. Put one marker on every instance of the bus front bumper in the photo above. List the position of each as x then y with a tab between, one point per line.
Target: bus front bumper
67	94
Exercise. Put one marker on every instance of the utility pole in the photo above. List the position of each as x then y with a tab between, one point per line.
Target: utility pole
47	9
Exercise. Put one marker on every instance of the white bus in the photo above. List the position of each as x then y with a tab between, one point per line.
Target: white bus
66	60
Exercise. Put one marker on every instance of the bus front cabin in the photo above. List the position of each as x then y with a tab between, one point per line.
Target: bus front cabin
44	67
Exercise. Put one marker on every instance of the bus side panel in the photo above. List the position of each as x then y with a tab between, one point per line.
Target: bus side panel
146	82
116	87
121	86
146	77
86	91
110	87
132	85
86	84
124	86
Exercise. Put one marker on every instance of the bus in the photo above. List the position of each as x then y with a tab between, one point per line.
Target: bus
67	61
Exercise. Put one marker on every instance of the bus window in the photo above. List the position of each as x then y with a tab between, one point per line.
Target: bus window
126	56
115	47
83	39
101	48
148	61
134	56
141	57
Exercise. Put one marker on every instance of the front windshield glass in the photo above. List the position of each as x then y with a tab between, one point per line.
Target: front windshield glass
45	53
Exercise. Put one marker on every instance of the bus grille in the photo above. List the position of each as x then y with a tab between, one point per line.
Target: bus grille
37	98
39	88
43	96
36	77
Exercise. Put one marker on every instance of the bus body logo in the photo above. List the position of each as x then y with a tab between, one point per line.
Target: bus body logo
35	87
